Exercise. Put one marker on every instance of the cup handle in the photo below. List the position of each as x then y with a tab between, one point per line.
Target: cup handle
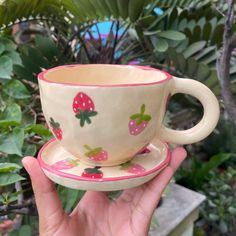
210	117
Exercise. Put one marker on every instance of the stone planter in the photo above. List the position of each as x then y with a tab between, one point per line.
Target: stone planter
177	213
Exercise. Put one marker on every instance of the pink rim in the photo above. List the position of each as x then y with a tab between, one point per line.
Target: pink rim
75	177
41	76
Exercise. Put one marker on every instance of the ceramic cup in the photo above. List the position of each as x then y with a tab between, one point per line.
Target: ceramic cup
106	114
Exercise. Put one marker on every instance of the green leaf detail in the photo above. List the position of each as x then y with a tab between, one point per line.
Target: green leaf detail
6	67
88	120
9	178
87	147
161	45
38	129
82	121
135	116
9	167
54	124
140	117
172	35
126	165
29	149
93	171
12	143
92	113
139	121
142	109
92	152
146	117
16	89
11	116
73	162
84	116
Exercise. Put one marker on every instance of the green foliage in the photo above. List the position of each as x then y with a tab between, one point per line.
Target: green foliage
184	41
12	142
43	54
16	89
204	23
11	116
196	171
8	175
9	178
74	11
192	62
9	167
222	140
219	209
195	57
7	198
181	3
25	230
196	19
69	197
17	123
11	11
8	57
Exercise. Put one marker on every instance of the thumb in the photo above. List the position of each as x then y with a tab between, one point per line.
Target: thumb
46	196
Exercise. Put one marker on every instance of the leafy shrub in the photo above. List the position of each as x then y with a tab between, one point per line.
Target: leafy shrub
219	210
183	41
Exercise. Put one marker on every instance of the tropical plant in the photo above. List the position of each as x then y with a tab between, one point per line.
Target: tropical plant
183	37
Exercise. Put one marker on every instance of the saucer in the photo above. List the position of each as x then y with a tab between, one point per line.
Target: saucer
65	169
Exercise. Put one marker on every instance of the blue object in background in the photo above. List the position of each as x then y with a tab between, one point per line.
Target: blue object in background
104	29
158	11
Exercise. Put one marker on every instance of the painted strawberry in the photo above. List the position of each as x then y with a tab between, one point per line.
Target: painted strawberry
139	121
83	108
133	168
65	164
93	173
96	154
143	151
56	128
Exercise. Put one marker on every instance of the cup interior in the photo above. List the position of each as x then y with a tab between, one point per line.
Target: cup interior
103	75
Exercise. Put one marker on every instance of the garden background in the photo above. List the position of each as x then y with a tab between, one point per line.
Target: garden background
193	39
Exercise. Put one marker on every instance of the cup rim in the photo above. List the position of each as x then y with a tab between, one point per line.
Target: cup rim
41	76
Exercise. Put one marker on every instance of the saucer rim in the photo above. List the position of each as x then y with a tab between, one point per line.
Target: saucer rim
47	167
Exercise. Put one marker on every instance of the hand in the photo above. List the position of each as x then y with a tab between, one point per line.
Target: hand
130	214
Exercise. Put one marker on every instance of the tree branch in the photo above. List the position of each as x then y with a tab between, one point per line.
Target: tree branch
27	207
223	62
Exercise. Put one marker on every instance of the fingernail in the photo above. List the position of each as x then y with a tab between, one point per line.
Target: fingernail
24	161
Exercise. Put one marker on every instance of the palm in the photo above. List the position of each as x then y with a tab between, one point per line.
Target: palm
130	214
125	216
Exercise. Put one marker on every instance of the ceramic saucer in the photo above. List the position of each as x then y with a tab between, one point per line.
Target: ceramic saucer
65	169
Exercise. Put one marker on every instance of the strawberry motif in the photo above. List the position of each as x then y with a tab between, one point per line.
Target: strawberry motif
56	128
139	121
83	108
96	154
65	164
133	168
143	151
93	173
